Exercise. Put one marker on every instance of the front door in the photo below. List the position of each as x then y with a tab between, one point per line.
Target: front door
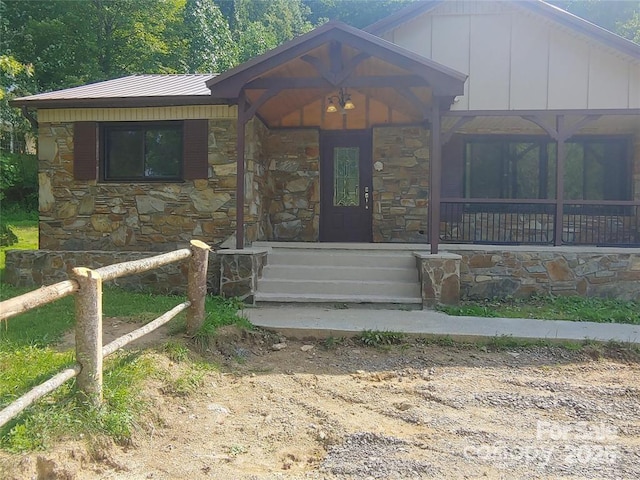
345	186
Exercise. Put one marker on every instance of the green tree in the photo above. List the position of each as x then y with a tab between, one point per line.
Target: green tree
262	25
210	46
357	13
619	16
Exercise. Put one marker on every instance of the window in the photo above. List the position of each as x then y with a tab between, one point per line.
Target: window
525	168
142	151
502	168
597	170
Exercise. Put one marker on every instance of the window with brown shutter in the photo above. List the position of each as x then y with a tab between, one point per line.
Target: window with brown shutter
85	150
153	151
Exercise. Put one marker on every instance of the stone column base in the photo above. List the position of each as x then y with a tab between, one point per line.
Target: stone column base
439	278
240	271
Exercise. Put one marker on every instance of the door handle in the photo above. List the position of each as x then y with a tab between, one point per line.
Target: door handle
366	198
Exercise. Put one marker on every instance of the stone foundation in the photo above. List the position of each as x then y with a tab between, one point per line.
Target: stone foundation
439	278
484	272
521	271
240	271
35	268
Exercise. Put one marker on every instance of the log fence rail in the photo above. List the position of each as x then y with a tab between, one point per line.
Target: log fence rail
86	285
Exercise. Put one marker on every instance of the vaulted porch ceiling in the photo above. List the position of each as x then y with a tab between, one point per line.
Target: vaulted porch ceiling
290	86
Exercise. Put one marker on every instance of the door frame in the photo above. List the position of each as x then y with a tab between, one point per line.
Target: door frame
364	140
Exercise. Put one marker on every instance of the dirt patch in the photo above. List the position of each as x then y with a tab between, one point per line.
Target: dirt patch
282	408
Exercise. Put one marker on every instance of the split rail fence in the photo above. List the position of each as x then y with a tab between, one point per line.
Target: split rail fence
86	284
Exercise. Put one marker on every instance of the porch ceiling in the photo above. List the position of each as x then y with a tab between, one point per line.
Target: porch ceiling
291	86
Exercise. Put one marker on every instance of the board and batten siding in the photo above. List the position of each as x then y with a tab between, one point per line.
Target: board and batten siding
519	60
142	114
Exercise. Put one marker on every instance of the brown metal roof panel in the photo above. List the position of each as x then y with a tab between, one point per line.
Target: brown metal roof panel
134	86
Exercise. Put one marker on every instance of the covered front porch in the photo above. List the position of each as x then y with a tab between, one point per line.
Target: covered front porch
338	140
343	137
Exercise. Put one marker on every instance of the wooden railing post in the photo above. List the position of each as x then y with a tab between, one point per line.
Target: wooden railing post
197	285
89	333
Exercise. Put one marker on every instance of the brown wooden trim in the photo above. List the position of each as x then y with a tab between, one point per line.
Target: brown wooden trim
543	201
173	101
435	174
413	99
561	154
394	81
549	11
523	113
442	78
446	135
401	16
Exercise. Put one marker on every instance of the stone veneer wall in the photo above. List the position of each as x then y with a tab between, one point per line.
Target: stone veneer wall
89	215
257	197
401	188
292	189
34	268
520	271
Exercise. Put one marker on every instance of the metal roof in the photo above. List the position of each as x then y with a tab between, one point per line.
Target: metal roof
150	88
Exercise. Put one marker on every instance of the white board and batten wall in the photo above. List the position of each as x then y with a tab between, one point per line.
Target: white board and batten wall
520	60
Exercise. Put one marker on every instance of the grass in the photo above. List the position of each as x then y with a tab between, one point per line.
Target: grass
549	307
25	227
377	338
28	357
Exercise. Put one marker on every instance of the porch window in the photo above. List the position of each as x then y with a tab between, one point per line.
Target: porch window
597	170
142	151
525	168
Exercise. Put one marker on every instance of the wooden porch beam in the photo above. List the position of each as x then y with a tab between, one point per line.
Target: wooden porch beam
262	99
350	67
561	153
319	67
415	101
394	81
543	124
446	135
435	173
335	58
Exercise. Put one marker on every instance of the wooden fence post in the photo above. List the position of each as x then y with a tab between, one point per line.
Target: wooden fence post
197	285
89	333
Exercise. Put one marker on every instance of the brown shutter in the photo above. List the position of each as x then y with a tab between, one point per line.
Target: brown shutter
195	135
452	177
85	150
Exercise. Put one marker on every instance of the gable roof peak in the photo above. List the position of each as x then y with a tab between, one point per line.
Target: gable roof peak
540	7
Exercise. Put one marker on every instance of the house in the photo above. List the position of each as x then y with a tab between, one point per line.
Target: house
465	123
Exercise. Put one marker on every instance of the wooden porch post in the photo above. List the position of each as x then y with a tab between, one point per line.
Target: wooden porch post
240	129
435	172
560	158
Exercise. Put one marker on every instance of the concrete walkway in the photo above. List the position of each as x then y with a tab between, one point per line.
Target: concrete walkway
325	321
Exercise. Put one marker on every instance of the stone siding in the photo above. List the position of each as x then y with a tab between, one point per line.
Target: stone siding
34	268
91	215
292	191
491	271
401	188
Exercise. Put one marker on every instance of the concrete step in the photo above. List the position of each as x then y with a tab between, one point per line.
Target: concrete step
318	298
322	273
342	258
315	272
339	287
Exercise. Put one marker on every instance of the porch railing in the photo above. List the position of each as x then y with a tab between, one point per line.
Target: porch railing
532	222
